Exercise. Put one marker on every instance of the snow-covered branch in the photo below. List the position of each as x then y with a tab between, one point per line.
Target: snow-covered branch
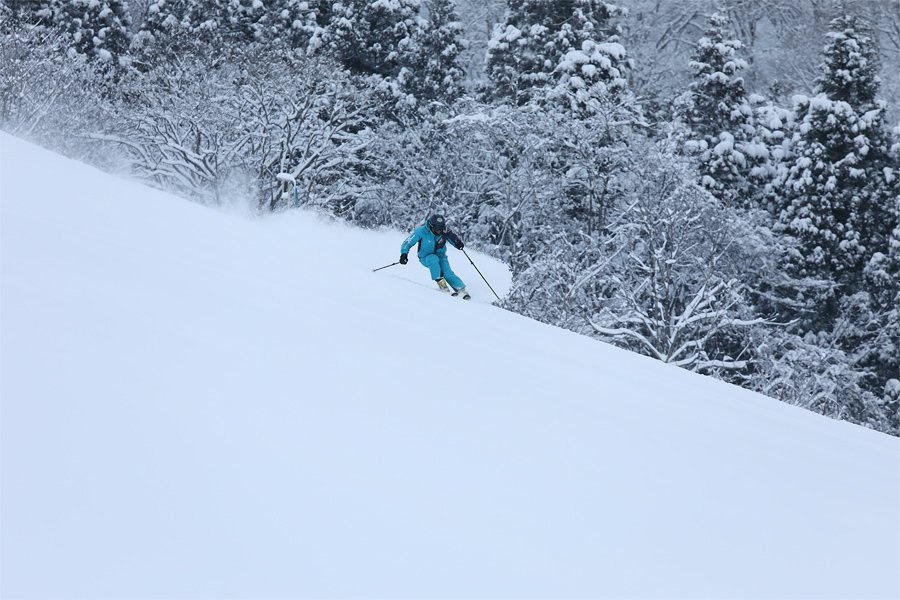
673	295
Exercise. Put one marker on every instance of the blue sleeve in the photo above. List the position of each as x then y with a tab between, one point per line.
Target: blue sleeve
413	238
454	239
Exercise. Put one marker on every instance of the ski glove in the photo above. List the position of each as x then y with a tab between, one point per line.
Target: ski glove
459	245
403	259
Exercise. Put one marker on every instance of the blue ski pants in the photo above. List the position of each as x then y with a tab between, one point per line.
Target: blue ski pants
440	266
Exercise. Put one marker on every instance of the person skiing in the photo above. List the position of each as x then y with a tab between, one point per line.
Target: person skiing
432	238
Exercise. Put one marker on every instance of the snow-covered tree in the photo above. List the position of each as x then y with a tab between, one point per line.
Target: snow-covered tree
306	132
591	80
434	73
218	22
545	43
411	59
661	37
293	22
839	195
838	200
248	123
819	376
32	12
373	37
773	126
172	132
45	95
96	28
671	288
852	63
718	112
869	322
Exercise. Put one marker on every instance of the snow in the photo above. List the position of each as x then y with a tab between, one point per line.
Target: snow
892	388
773	117
512	33
726	145
593	57
474	118
614	49
756	150
200	404
394	5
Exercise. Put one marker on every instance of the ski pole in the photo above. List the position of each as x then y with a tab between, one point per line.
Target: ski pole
479	272
386	266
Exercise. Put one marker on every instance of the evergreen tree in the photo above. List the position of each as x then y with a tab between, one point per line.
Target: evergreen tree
592	81
545	41
436	74
411	59
32	12
94	27
838	200
875	339
293	22
892	284
718	98
719	115
218	22
106	23
840	205
374	37
850	70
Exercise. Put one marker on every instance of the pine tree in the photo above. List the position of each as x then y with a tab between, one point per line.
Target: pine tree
871	328
293	22
720	117
219	22
547	42
436	74
838	202
850	70
877	346
410	59
374	37
32	12
96	27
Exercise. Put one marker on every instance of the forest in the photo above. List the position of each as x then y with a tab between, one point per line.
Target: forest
711	183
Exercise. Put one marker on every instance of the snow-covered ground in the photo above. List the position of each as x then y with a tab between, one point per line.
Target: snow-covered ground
197	404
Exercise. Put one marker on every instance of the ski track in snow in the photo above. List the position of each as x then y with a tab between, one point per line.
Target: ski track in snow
196	404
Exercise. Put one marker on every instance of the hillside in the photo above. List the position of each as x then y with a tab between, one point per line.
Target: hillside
198	404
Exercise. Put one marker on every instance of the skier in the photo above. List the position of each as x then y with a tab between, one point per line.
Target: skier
432	238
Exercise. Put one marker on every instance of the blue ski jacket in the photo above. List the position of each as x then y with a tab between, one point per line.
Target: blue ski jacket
428	242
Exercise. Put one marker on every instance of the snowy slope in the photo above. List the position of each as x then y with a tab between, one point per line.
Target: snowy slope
201	405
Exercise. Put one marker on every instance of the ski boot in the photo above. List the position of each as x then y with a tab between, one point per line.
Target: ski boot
442	284
462	292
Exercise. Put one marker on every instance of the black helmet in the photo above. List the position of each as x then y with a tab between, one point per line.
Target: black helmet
436	224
